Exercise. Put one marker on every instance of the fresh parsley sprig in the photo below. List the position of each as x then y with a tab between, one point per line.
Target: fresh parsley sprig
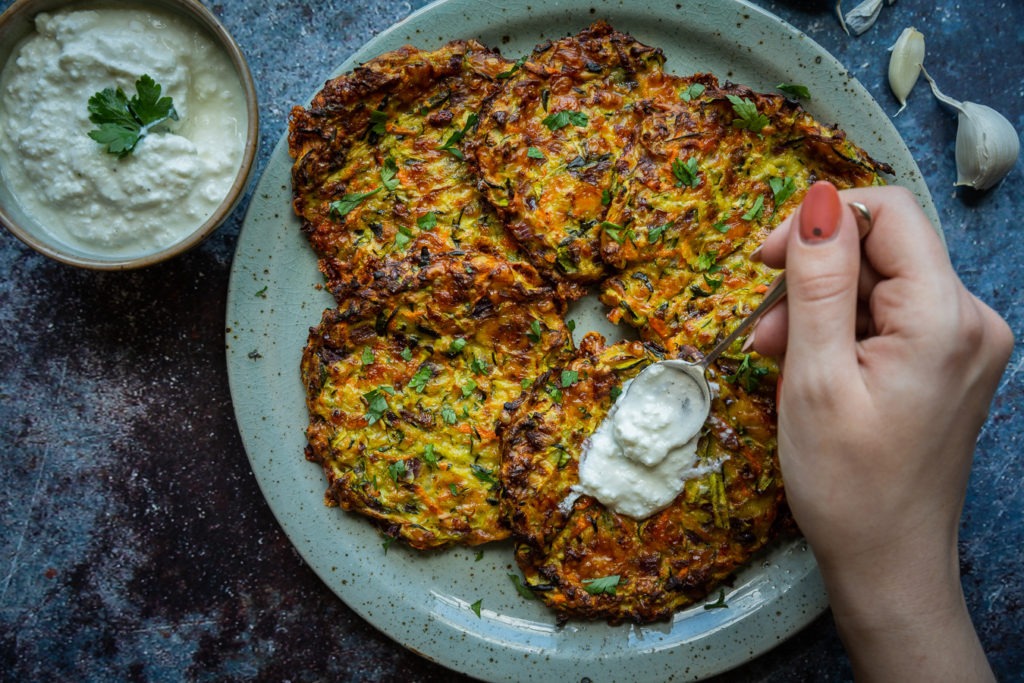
122	122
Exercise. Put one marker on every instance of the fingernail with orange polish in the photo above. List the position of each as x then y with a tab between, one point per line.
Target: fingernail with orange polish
820	213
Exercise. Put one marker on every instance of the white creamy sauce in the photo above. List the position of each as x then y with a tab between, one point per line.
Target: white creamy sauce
640	456
172	182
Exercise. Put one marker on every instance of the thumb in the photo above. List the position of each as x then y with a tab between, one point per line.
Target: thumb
822	267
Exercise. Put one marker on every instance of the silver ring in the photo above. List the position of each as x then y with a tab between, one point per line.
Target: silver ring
863	217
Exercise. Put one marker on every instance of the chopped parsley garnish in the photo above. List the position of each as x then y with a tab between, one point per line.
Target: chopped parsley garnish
755	210
695	90
513	69
613	230
367	356
534	334
388	540
554	392
747	375
458	344
376	405
749	118
448	415
476	606
526	382
606	197
123	122
378	119
468	388
397	470
389	174
478	366
347	203
719	603
563	118
262	293
521	587
654	233
686	172
403	237
615	393
427	221
479	555
428	454
799	92
707	260
569	378
483	474
721	226
456	138
420	379
782	189
534	153
605	584
407	354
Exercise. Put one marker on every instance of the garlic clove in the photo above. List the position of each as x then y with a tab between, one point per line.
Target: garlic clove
863	16
987	144
905	64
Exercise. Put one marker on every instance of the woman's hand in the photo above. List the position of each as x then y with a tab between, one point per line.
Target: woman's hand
889	367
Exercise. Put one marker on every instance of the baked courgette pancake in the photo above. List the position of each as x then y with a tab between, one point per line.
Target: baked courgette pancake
458	202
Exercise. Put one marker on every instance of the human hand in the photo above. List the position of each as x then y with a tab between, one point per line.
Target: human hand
889	367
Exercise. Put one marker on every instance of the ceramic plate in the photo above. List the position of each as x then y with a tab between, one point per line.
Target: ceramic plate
423	600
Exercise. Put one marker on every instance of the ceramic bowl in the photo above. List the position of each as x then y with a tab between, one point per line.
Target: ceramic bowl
16	24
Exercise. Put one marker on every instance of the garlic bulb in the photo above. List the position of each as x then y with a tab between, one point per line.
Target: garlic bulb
987	145
905	64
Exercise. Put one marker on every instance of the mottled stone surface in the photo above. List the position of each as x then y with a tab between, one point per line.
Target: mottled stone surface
135	542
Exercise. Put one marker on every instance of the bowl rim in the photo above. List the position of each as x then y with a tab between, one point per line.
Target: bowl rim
205	20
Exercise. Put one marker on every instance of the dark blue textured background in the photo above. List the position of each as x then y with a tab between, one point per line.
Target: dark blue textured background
135	543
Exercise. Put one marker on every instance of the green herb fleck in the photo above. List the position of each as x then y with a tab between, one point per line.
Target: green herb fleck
478	366
686	172
747	375
749	118
479	555
367	356
514	68
468	388
389	174
613	230
606	197
604	584
719	603
429	456
569	378
457	345
526	383
376	405
721	226
695	90
123	122
534	334
388	540
448	415
521	587
563	118
483	474
615	393
755	210
782	189
456	138
347	203
420	379
799	92
534	153
655	233
397	470
476	606
403	237
378	121
262	293
427	221
407	354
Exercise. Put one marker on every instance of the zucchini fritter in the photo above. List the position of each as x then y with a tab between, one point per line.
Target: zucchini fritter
379	170
711	172
404	393
549	142
584	560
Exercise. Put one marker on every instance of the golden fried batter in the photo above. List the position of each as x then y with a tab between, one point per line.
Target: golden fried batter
404	393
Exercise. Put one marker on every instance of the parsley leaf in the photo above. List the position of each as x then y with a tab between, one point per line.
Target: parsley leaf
654	233
420	379
800	92
348	202
605	584
534	334
478	366
457	345
428	454
719	603
123	122
427	221
476	606
367	357
514	68
749	118
448	415
456	138
407	354
389	174
613	230
606	197
569	378
615	393
403	237
686	172
755	210
521	587
376	405
721	226
378	119
561	119
695	90
534	153
397	470
782	189
468	388
483	474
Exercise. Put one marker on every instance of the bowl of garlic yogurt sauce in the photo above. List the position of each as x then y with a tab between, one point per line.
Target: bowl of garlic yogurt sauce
98	169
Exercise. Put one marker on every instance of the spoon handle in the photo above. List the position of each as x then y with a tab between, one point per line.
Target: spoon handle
776	290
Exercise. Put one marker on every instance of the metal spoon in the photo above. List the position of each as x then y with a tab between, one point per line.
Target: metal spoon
697	371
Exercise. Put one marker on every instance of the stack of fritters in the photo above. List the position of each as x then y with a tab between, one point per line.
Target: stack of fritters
458	202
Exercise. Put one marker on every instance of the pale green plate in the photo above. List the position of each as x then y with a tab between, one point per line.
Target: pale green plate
423	600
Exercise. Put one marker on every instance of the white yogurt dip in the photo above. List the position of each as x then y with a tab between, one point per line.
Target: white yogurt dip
172	182
638	459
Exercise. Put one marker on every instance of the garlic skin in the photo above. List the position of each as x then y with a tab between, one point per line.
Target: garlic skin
905	64
987	145
863	16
